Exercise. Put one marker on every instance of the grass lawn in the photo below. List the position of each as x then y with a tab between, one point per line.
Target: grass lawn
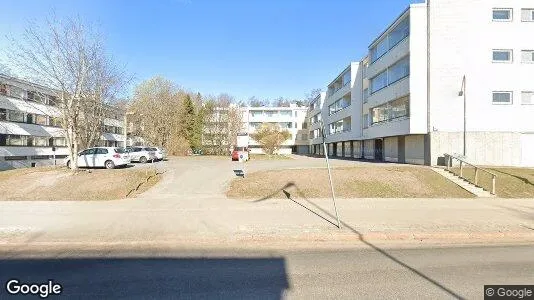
269	157
510	182
350	182
59	183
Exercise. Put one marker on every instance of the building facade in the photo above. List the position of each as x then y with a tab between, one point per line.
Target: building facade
407	94
30	128
292	119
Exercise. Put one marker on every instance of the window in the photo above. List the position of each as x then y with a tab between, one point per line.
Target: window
365	95
527	97
34	96
40	157
399	70
304	125
527	15
527	56
41	120
101	151
339	105
29	118
502	55
392	110
16	140
346	78
15	157
3	89
3	114
3	139
15	116
40	141
379	82
502	14
60	142
365	121
401	31
502	97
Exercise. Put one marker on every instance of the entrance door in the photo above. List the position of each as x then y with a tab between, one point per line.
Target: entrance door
379	146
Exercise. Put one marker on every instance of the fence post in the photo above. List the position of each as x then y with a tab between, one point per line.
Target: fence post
476	176
493	185
461	169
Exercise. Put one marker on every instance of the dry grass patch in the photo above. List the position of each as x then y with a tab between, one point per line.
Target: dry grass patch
351	182
510	182
269	157
62	184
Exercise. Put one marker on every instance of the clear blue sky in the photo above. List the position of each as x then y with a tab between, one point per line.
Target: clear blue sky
242	47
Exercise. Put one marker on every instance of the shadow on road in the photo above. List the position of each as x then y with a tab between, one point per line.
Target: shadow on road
177	278
300	194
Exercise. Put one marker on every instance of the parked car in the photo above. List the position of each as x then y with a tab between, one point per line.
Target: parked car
107	157
141	154
240	152
161	154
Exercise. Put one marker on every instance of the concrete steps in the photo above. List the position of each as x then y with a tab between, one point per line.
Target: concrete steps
466	185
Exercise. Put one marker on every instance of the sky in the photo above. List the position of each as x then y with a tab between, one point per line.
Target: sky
261	48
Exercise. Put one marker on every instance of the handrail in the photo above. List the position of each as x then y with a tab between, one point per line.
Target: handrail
477	168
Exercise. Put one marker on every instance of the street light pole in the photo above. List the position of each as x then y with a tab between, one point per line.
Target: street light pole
464	84
329	174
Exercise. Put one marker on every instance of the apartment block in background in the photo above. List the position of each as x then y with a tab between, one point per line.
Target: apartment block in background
30	129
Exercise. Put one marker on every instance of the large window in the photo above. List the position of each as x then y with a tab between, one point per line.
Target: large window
399	70
502	97
527	56
346	78
341	126
339	105
3	114
15	116
41	120
527	15
392	110
527	97
394	73
395	36
502	55
502	14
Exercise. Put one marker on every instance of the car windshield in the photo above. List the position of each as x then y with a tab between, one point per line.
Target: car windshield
153	149
120	150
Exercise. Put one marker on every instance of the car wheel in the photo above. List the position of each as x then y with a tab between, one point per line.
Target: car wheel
109	164
143	160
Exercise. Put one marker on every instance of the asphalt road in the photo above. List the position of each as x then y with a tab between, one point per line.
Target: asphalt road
439	273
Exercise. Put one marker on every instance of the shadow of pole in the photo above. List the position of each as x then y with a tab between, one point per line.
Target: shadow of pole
359	234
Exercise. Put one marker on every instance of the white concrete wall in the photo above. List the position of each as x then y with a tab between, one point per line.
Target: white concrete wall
391	152
462	38
418	69
414	152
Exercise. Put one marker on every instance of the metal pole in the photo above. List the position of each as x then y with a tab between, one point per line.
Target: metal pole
464	116
330	176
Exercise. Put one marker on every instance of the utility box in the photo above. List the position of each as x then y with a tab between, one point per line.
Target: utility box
240	151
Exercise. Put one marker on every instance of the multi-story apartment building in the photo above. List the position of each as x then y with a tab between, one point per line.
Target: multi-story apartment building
407	95
292	119
30	129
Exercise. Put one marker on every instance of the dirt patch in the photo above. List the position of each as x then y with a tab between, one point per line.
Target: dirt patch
63	184
354	182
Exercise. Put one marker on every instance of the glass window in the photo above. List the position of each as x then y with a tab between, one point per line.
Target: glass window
16	92
346	78
34	96
380	49
40	157
527	56
502	14
527	97
399	70
394	109
15	157
41	120
502	55
399	33
30	118
119	150
502	97
527	14
16	140
379	82
60	142
15	116
3	139
101	151
3	114
40	141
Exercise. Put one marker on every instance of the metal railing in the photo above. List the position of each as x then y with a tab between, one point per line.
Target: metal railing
449	159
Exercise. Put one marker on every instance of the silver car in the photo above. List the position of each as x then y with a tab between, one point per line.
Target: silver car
161	154
141	154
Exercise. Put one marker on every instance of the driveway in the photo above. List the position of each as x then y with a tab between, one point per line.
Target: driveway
189	205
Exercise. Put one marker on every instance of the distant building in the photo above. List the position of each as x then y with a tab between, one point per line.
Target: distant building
30	126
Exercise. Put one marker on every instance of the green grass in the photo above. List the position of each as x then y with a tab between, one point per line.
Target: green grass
510	182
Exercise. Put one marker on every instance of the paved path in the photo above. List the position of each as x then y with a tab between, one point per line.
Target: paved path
189	207
443	273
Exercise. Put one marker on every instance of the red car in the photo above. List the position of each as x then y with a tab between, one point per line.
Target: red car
240	151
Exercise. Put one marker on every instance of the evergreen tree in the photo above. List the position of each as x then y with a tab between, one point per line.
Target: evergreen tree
187	118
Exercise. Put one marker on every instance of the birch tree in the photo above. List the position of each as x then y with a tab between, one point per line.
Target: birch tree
70	58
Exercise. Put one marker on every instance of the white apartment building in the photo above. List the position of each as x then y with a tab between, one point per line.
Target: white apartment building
30	130
292	119
405	99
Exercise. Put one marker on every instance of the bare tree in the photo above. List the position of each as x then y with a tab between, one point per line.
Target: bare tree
70	58
222	124
271	137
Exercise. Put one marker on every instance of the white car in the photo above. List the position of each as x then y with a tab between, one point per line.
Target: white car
161	154
141	154
107	157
